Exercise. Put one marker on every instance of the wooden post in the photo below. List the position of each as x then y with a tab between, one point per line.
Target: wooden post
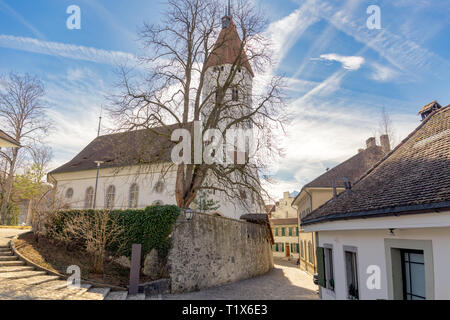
135	268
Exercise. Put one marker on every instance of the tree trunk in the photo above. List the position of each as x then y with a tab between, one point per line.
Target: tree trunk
30	205
8	189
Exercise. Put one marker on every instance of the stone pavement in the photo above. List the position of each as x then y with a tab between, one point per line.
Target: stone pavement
284	282
21	282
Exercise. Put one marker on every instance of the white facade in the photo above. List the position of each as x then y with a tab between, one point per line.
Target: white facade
375	242
146	181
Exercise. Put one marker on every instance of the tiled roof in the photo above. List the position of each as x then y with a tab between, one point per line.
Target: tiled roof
8	138
414	177
228	50
352	169
124	149
284	221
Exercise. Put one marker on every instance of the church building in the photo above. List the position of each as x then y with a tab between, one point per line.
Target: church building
134	169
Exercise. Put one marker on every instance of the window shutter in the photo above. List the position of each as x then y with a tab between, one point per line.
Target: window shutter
320	266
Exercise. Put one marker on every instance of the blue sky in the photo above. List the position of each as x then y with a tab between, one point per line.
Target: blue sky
340	73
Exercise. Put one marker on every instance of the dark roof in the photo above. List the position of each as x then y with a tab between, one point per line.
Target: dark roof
413	178
123	149
352	169
284	221
8	138
228	50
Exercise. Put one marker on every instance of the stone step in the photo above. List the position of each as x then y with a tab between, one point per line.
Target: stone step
139	296
36	280
11	263
5	250
53	285
20	274
8	258
16	268
103	291
84	287
4	254
4	247
117	295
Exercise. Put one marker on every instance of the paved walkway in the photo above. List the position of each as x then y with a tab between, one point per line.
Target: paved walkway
284	282
7	234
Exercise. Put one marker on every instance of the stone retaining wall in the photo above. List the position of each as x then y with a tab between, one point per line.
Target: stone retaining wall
211	250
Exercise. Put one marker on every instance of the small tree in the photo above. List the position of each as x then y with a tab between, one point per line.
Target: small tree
95	229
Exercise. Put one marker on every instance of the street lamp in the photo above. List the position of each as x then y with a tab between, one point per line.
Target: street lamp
188	214
98	162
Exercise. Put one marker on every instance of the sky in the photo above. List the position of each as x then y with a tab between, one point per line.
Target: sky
340	73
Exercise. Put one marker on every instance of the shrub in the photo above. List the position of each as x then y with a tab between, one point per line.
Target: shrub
150	227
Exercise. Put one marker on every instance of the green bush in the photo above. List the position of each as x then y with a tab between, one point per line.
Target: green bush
150	227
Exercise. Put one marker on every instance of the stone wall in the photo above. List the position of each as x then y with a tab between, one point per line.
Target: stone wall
211	250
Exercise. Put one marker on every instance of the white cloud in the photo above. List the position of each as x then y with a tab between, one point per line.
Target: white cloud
70	51
348	62
382	72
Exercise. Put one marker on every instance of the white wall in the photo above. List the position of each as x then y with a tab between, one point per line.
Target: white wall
122	180
371	251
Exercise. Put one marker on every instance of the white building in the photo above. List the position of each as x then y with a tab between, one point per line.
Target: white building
388	236
135	169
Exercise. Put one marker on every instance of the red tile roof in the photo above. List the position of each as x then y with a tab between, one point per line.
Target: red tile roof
228	50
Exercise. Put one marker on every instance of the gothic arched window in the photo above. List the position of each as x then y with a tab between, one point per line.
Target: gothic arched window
110	196
69	193
235	94
159	187
134	196
89	198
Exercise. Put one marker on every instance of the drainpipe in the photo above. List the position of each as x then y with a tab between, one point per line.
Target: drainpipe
310	205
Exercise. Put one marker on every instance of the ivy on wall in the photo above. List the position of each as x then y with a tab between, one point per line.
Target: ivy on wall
150	227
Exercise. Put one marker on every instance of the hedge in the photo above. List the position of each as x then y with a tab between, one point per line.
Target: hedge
150	226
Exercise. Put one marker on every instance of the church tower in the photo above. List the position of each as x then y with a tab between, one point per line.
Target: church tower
227	61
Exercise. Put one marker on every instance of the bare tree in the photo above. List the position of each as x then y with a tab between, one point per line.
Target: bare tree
95	229
385	126
22	114
200	69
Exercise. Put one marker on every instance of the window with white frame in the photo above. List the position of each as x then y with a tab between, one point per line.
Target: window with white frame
351	272
110	197
329	275
89	198
134	196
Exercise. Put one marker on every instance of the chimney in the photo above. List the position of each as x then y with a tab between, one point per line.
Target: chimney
334	189
360	150
385	145
347	185
371	142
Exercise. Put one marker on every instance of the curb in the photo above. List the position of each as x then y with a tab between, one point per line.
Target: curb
31	263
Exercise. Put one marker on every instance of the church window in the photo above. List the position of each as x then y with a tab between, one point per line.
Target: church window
69	193
89	199
159	187
235	94
134	195
110	196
